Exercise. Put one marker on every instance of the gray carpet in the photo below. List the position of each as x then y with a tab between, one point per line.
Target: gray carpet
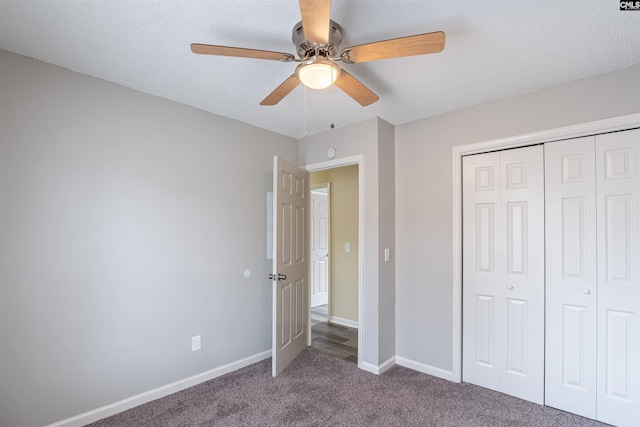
319	390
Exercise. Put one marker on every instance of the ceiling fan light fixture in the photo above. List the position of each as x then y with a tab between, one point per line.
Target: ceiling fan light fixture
317	73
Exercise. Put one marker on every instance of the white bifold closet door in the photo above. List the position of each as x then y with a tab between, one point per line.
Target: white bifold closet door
571	276
593	277
503	271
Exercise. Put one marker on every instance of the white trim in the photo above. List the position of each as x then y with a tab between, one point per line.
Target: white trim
379	369
567	132
424	368
335	163
165	390
347	161
557	134
343	322
369	367
388	364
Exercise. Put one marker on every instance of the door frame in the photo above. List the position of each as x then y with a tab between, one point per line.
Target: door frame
568	132
317	186
336	163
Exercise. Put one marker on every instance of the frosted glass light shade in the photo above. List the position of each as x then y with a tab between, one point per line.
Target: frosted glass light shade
317	73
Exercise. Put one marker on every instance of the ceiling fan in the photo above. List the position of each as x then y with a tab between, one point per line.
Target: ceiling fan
317	39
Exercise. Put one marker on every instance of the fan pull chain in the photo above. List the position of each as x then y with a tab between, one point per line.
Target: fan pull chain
332	124
305	111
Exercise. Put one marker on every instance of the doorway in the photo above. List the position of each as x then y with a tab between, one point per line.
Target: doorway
320	245
335	259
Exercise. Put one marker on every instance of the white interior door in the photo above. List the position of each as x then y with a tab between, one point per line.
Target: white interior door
618	227
319	246
570	192
290	263
503	272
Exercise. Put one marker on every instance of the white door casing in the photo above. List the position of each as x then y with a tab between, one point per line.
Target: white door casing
503	272
319	246
618	228
571	297
290	263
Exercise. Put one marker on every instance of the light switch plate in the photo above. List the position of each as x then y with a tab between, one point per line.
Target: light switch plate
347	247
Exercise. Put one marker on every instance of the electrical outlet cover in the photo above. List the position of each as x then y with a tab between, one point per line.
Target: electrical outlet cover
196	343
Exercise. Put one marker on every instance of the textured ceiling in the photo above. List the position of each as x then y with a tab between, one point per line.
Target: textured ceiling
494	49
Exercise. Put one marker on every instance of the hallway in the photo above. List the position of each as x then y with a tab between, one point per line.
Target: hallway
335	340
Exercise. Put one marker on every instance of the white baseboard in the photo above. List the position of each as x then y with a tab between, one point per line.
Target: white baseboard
142	398
425	369
378	369
343	322
165	390
369	367
388	364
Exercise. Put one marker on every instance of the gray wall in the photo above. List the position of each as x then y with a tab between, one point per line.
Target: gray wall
126	222
387	240
423	193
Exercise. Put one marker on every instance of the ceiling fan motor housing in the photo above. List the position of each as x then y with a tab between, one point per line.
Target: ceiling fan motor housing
307	49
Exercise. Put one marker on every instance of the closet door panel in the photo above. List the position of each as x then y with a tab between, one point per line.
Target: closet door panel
522	273
503	272
481	253
571	290
618	201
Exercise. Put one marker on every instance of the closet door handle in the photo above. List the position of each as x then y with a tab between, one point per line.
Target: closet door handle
510	287
586	291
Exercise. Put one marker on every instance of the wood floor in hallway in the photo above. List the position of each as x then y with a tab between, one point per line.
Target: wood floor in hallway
330	338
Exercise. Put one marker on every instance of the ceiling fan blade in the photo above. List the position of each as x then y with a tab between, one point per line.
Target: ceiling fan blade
209	49
281	91
419	44
316	15
352	87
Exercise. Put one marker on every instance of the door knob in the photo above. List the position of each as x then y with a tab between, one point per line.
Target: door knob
586	291
277	276
510	287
